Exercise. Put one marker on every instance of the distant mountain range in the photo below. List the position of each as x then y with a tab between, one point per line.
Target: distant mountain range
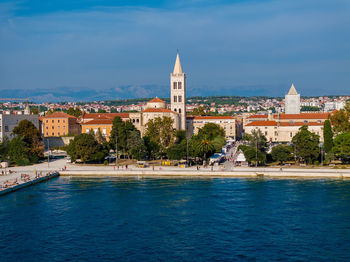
80	94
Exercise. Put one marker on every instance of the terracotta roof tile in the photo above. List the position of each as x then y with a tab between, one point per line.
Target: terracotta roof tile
58	115
304	116
156	100
158	110
99	122
212	117
262	123
105	115
257	116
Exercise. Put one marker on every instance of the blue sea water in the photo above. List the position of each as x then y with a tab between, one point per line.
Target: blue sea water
177	219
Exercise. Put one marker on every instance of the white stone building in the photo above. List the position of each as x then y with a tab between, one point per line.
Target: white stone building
9	121
292	101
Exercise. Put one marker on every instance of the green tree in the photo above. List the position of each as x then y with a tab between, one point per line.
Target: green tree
206	147
152	148
137	148
74	112
306	145
327	136
177	151
84	147
281	153
199	111
340	120
256	139
341	147
34	110
4	148
253	156
32	139
161	131
18	151
210	131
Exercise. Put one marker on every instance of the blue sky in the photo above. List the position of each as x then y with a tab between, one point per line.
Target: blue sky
226	47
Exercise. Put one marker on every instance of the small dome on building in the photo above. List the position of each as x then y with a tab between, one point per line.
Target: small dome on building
156	103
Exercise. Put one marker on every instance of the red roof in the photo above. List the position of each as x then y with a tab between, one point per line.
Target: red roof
59	115
304	116
274	123
105	115
99	122
300	124
211	117
156	100
158	110
257	116
262	123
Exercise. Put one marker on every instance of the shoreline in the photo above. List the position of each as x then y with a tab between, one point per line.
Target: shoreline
207	173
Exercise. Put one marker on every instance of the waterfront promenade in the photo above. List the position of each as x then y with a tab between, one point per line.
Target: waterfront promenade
220	171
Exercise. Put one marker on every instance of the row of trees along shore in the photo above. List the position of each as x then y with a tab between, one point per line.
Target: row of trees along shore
305	147
161	141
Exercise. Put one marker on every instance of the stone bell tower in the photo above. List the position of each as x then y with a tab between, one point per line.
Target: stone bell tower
178	92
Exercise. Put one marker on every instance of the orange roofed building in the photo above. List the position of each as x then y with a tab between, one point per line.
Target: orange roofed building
59	124
282	127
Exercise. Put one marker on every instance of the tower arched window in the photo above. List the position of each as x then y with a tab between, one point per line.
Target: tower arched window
180	110
175	85
175	99
180	99
179	85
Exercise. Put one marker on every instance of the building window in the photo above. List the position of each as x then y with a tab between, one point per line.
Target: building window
58	127
276	134
47	121
64	133
53	133
175	85
58	133
52	121
175	110
64	121
137	120
180	110
47	127
47	133
265	133
291	134
179	84
58	121
175	99
180	99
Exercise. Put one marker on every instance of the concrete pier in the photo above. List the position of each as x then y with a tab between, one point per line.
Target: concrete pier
28	183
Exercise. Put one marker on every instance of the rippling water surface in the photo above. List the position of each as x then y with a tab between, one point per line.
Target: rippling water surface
177	219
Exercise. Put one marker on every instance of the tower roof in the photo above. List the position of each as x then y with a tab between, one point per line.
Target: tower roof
177	67
292	90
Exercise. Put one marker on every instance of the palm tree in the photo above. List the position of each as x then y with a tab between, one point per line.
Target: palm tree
205	146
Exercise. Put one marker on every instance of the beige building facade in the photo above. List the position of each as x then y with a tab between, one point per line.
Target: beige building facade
228	123
59	124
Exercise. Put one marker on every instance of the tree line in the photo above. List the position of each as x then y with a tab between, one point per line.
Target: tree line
160	141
